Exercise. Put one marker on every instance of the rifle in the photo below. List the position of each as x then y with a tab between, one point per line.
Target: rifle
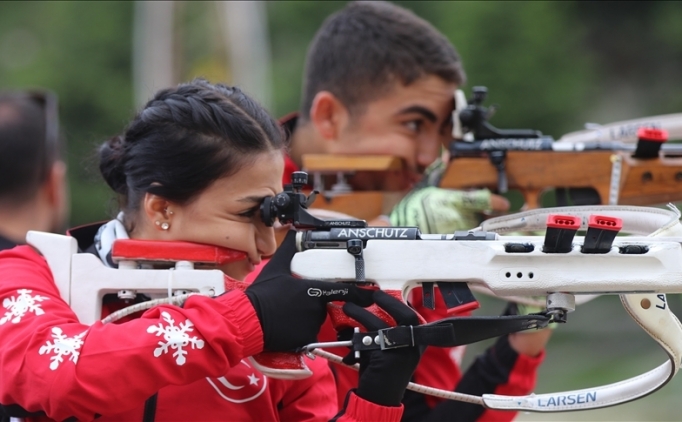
559	266
593	169
340	196
626	131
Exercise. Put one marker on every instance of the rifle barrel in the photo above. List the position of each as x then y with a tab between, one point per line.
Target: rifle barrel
546	143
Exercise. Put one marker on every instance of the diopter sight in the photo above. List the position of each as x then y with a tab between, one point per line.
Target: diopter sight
291	207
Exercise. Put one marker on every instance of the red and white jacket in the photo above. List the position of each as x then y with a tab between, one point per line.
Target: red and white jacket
189	360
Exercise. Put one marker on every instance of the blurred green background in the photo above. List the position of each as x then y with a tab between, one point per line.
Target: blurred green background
551	66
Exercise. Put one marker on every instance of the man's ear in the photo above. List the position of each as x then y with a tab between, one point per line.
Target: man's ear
57	195
328	115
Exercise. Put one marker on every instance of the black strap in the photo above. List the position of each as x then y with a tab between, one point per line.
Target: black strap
150	408
448	332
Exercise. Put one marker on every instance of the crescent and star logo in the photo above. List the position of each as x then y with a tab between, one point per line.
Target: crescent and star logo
241	384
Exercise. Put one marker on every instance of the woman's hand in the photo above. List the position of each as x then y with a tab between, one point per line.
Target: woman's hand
384	374
292	310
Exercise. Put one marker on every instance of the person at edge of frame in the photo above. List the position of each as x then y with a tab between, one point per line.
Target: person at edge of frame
194	165
379	80
33	192
33	187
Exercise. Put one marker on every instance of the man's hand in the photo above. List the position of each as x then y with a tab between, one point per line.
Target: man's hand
437	210
531	342
291	310
499	203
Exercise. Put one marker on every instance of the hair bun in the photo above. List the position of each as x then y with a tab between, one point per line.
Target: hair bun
112	162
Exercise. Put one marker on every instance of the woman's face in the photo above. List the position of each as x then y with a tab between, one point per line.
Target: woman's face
227	213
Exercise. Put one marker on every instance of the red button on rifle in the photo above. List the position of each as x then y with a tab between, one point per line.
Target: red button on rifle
649	142
561	230
601	231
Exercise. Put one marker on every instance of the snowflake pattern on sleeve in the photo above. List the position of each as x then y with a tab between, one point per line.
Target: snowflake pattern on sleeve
17	307
62	346
175	337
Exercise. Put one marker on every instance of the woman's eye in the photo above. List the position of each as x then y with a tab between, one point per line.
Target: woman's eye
249	213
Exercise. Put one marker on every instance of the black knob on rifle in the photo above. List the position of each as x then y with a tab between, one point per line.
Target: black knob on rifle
273	206
299	179
467	117
474	115
267	213
480	92
282	200
354	247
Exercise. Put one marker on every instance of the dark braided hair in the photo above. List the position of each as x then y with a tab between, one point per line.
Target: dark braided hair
184	139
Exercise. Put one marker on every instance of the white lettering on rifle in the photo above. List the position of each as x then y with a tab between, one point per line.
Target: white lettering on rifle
374	233
511	144
568	399
340	223
630	130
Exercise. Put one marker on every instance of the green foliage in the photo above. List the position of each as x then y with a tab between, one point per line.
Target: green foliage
548	65
82	51
292	27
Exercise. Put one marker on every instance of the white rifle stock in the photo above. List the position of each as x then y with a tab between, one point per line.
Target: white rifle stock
640	279
401	265
83	280
626	131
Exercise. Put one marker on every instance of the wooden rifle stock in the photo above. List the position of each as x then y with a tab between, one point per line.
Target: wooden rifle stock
364	205
532	172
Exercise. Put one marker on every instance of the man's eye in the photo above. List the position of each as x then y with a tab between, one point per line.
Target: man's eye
414	125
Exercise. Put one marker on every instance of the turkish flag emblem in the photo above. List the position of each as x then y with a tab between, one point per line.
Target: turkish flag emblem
241	384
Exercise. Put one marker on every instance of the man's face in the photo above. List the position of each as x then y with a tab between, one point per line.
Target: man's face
411	122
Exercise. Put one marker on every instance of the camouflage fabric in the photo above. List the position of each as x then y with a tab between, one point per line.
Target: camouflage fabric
436	210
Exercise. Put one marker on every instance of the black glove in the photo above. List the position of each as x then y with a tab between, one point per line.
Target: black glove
292	310
384	374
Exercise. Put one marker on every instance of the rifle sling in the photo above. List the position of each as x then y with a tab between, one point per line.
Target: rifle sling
448	332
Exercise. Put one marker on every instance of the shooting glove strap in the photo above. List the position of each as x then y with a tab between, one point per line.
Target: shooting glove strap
448	332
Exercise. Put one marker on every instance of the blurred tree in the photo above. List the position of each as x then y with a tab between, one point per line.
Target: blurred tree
549	65
528	54
637	51
292	27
